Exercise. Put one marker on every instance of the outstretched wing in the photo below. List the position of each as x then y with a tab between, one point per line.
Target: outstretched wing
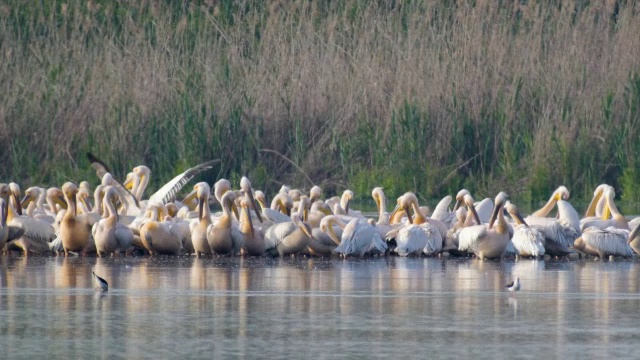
101	169
169	191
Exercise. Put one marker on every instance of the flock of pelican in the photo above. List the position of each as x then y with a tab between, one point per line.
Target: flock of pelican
120	221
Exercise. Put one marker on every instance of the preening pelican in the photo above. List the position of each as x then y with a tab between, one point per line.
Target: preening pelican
199	227
245	185
421	235
610	210
222	236
75	232
442	213
359	238
612	240
528	241
315	193
327	237
595	208
108	234
280	210
488	242
604	242
287	238
467	217
559	233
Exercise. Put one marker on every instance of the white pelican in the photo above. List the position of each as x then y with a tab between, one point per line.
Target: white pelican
528	241
482	209
421	235
561	193
223	238
280	209
199	227
245	185
359	238
108	234
168	191
442	213
612	240
157	237
604	242
7	233
610	210
559	233
594	210
253	240
75	232
466	217
315	193
488	242
318	211
326	237
288	238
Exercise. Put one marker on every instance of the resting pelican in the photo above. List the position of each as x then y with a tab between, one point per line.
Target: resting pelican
223	238
528	241
612	240
318	211
253	241
288	238
315	193
199	227
157	237
359	238
488	242
75	232
327	237
466	218
421	235
108	234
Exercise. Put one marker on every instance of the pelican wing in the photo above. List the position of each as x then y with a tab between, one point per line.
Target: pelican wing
168	192
484	209
527	241
33	228
101	169
434	239
275	216
276	234
610	241
469	237
359	238
568	216
411	239
14	232
237	238
442	213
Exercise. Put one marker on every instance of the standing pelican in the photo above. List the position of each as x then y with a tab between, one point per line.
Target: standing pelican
108	234
488	242
288	238
528	241
74	232
223	238
245	185
199	227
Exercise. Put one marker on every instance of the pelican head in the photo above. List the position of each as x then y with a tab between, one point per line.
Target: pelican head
378	196
295	194
326	226
245	185
514	213
201	191
31	194
220	188
260	198
561	193
315	193
5	192
56	196
284	189
69	190
499	202
303	207
346	198
460	198
16	193
597	195
297	220
245	205
468	202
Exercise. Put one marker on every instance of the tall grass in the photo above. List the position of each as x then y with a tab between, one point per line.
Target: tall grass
426	96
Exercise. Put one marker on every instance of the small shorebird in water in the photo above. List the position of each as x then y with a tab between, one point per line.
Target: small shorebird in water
103	285
514	285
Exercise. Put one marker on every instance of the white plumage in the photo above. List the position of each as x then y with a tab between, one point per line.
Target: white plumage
359	238
604	242
527	241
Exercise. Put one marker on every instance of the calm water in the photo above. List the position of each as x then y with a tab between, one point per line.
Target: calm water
311	308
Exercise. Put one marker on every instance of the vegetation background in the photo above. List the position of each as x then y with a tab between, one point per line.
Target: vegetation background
427	96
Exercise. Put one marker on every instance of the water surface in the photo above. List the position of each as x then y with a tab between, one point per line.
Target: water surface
326	308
